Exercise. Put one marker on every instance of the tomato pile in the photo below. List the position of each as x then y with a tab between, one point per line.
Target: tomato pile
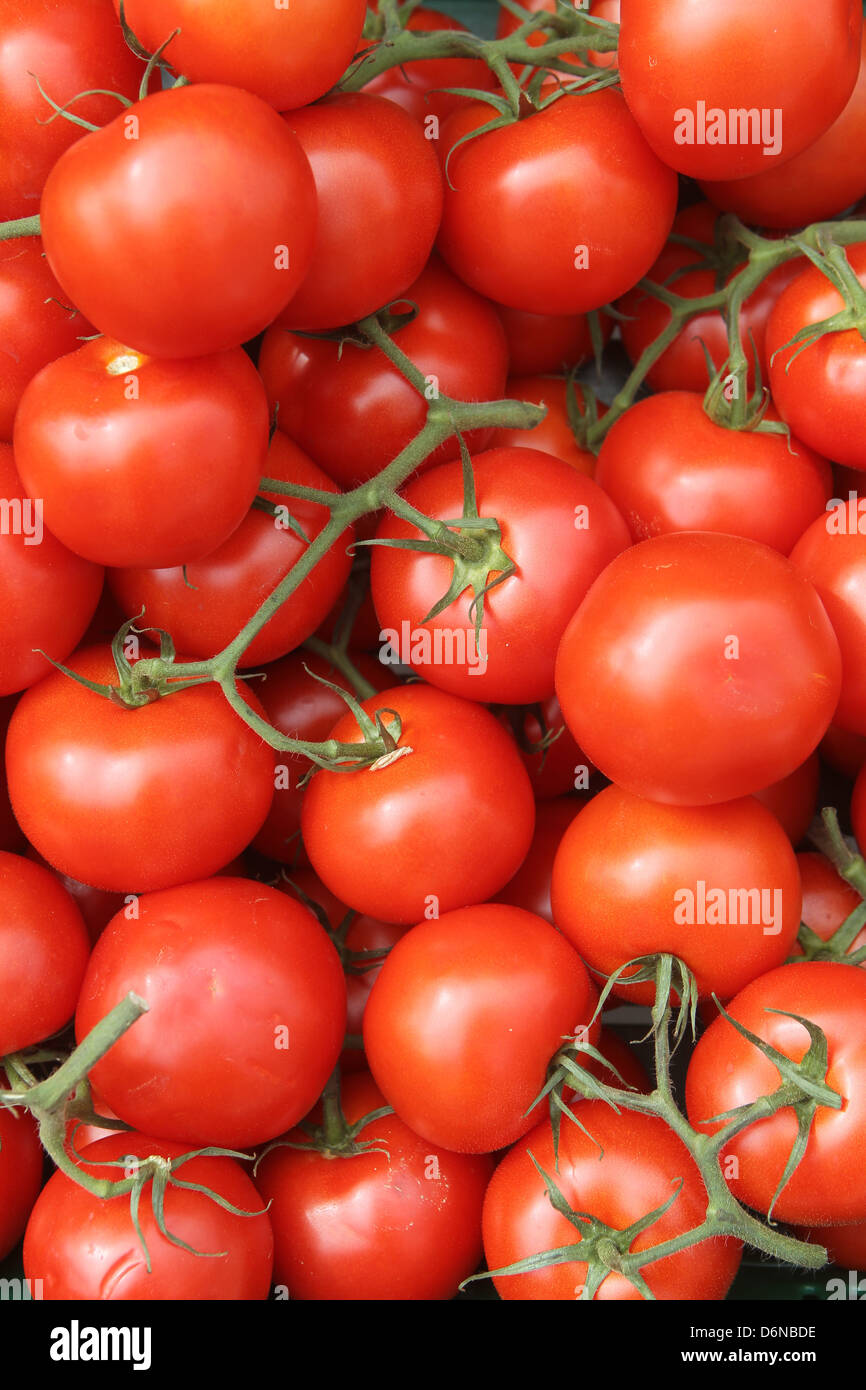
433	590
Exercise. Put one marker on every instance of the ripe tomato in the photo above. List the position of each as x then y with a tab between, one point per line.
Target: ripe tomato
74	47
530	886
107	437
44	948
11	837
47	594
562	766
184	225
699	668
554	434
827	899
20	1173
844	752
828	1187
241	981
544	508
819	390
379	194
97	907
691	74
83	1247
620	1055
441	827
794	799
400	1224
602	9
353	412
418	87
205	605
538	217
541	343
846	1245
129	800
640	1161
832	556
858	808
288	54
464	1018
669	467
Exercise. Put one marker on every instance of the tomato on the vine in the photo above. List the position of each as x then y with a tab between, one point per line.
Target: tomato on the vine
20	1173
831	553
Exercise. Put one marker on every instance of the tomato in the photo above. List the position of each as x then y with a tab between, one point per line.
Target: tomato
530	886
846	1245
858	808
829	1186
85	1248
47	594
828	899
242	983
845	752
43	954
403	1223
80	1133
97	907
609	10
554	434
379	194
353	412
73	47
794	799
690	73
601	9
544	508
11	837
205	604
439	828
819	390
184	225
288	54
620	1055
562	766
823	180
537	216
464	1018
832	556
699	668
108	438
20	1173
418	87
715	885
128	800
641	1160
548	342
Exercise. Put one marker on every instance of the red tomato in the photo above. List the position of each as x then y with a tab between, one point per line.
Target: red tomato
623	1057
794	799
562	766
846	1245
241	981
72	47
11	837
47	594
129	800
858	808
827	899
79	1134
669	467
602	9
554	434
690	75
97	907
107	437
545	508
699	668
715	885
379	195
288	53
537	215
827	177
401	1224
641	1160
353	412
829	1186
819	390
845	752
84	1248
832	556
530	886
20	1173
540	343
464	1018
184	225
205	606
444	826
417	87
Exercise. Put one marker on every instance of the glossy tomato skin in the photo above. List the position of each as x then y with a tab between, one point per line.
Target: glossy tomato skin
74	47
373	243
541	343
354	412
669	467
726	1070
97	907
641	1159
417	86
797	67
85	1248
447	824
699	668
287	54
47	594
405	1224
231	583
241	981
820	390
191	189
530	886
464	1018
20	1173
544	508
106	437
44	949
831	554
627	882
827	899
554	434
794	799
572	230
131	800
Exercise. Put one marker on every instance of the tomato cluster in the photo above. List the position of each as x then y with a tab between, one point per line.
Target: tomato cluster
382	704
